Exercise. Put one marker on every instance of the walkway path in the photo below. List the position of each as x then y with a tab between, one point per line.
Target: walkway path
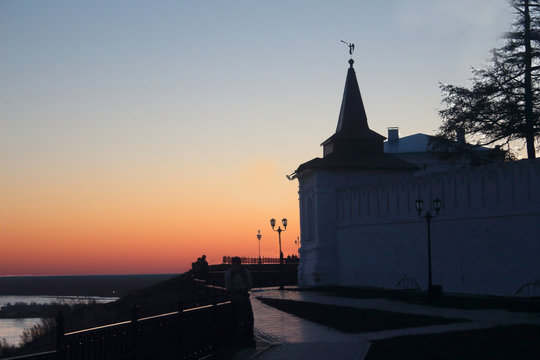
284	336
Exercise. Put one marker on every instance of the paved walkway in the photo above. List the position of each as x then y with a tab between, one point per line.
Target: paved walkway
283	336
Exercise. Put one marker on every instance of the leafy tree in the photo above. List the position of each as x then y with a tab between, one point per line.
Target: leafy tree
503	103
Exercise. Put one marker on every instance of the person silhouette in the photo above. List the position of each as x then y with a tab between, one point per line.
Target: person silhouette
203	268
238	282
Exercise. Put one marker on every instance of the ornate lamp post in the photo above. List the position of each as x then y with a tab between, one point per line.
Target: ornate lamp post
259	236
279	230
436	206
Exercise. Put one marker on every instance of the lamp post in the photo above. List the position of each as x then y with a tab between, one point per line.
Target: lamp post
279	230
437	207
259	236
297	242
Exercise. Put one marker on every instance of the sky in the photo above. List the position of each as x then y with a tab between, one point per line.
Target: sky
136	136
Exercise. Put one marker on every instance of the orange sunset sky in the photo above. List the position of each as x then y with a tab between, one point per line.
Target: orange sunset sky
137	136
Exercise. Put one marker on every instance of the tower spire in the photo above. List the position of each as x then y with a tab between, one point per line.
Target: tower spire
352	132
354	145
352	121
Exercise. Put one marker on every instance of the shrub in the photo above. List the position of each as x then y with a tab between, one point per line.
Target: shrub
6	349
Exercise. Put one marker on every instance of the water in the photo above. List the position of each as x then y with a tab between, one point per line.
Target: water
12	329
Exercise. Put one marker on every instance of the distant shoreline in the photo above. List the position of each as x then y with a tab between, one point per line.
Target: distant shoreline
78	285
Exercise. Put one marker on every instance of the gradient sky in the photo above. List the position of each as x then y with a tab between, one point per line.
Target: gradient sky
137	135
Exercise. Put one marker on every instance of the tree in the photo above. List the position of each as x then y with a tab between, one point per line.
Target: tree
503	103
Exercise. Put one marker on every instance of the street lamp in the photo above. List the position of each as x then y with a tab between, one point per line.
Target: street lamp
437	207
259	236
279	230
297	242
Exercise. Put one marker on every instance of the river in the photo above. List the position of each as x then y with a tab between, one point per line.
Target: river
12	329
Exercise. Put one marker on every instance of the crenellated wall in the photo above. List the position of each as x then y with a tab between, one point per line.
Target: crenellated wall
493	190
318	220
486	239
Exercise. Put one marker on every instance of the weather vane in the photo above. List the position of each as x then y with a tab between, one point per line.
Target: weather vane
350	45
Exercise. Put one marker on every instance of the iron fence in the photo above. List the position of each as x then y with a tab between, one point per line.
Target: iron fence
185	334
196	333
531	289
291	259
407	283
47	355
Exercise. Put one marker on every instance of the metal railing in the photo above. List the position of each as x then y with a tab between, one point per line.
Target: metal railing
47	355
261	278
407	283
264	260
196	333
185	334
531	289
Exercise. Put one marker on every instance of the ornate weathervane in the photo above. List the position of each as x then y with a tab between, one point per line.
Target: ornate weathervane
350	45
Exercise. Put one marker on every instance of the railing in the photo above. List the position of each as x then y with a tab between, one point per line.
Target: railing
530	289
407	283
261	278
47	355
196	333
264	260
189	334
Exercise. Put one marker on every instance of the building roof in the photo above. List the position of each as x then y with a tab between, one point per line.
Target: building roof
409	144
416	143
367	161
352	121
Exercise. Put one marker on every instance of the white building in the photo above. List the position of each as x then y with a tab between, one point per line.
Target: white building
359	226
418	150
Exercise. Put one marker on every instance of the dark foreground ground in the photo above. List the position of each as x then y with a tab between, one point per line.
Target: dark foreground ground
519	341
503	342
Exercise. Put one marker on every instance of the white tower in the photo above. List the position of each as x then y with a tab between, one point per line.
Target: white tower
352	156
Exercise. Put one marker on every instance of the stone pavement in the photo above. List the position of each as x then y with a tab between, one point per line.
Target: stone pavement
283	336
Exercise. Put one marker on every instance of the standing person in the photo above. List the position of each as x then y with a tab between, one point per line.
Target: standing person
238	283
203	268
196	268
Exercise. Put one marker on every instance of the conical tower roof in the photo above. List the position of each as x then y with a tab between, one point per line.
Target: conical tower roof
354	145
352	121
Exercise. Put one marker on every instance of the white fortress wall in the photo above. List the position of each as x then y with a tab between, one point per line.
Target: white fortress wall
485	240
320	262
318	229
